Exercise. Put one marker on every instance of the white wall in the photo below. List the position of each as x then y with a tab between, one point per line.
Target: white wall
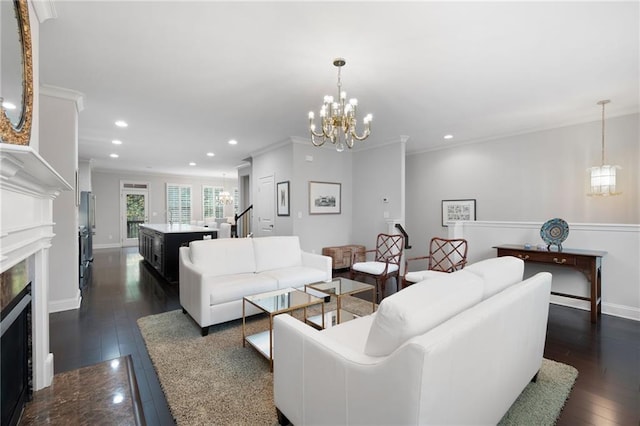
59	147
106	188
327	165
531	177
377	173
277	162
299	162
620	266
84	175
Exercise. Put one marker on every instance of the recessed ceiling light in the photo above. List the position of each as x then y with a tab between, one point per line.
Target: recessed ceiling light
121	123
116	142
233	142
192	163
448	136
114	155
210	154
8	105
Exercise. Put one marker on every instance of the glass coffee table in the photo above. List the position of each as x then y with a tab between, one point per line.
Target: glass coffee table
339	287
274	303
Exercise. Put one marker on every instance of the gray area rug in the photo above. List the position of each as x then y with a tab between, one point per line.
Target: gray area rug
213	380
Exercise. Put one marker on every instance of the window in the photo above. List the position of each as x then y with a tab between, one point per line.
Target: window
236	201
179	203
210	206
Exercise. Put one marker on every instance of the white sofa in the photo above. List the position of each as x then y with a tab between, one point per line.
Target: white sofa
456	349
216	274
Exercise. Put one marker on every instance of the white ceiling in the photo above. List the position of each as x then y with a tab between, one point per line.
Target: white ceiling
189	76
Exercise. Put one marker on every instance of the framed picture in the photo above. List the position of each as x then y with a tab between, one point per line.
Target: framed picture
453	210
325	198
282	198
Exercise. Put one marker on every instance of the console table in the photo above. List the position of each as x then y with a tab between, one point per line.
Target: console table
589	262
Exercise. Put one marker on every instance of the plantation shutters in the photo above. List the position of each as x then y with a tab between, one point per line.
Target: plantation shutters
179	203
210	205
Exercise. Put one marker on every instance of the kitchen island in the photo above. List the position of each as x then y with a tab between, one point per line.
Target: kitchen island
159	244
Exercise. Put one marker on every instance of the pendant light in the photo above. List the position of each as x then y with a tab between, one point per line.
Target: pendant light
602	178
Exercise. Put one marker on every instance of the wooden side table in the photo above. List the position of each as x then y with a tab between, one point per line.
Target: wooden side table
589	262
342	255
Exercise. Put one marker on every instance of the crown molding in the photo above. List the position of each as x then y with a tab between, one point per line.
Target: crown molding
45	10
64	93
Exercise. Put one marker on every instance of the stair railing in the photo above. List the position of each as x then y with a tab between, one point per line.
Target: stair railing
243	227
405	235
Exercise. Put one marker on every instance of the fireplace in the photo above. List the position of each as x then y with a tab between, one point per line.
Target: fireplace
16	386
28	187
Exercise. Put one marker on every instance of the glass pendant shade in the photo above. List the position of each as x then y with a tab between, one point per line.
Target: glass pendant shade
602	179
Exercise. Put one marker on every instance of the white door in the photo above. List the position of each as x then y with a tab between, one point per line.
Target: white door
265	206
134	206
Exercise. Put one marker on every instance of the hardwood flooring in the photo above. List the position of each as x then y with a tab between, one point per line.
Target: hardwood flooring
122	289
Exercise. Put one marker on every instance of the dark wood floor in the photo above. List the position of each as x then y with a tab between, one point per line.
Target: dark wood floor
123	289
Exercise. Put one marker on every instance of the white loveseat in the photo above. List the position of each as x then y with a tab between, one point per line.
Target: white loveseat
456	349
216	274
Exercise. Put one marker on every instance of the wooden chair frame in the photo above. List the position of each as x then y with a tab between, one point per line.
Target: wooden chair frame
389	250
445	255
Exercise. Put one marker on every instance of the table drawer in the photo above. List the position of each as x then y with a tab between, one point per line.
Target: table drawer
541	256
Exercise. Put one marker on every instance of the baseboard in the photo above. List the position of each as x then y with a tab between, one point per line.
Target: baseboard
613	309
65	304
48	370
621	311
105	246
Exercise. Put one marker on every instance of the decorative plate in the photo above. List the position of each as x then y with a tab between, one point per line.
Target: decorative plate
554	232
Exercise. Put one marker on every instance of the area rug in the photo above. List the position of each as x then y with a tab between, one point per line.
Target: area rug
213	380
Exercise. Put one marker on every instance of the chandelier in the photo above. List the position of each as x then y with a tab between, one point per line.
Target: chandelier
603	178
338	119
224	197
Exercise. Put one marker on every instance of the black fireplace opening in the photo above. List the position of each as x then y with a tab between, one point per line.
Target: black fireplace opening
15	357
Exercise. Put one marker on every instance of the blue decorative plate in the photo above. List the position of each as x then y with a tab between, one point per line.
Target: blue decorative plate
554	232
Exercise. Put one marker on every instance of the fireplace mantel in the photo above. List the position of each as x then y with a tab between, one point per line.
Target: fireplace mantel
28	186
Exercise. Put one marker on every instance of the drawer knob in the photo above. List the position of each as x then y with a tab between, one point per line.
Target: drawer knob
525	257
559	261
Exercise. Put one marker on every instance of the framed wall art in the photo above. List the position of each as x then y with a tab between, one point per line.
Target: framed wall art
325	198
453	210
282	198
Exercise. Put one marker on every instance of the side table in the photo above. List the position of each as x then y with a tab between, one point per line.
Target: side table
342	256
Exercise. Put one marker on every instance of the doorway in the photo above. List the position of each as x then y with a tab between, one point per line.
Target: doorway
265	206
134	205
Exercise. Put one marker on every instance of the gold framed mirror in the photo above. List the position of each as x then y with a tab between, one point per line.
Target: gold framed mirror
16	86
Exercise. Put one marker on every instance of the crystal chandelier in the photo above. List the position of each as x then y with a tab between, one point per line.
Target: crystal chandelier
603	178
224	198
338	119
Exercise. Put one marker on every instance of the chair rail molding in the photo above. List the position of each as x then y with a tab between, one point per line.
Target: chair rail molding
620	266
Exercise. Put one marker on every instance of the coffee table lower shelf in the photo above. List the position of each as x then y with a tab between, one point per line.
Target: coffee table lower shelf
331	318
260	341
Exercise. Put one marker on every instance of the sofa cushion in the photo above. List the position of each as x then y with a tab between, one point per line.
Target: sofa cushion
223	257
417	276
296	276
276	252
227	288
419	308
498	273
